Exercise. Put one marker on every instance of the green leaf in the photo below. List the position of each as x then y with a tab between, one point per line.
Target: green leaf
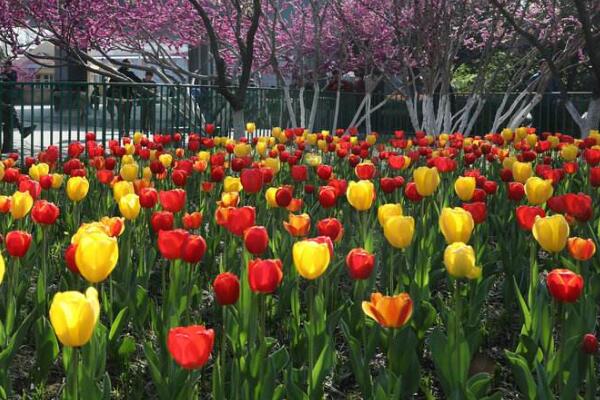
478	384
522	374
127	347
118	324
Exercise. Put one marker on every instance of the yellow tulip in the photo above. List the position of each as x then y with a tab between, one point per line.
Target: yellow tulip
232	184
532	139
96	256
538	190
2	268
89	228
551	232
242	149
137	137
20	204
508	162
129	172
456	224
464	186
427	180
270	197
129	148
273	163
361	194
371	139
77	188
386	211
129	206
399	231
166	159
57	180
250	127
204	156
74	315
520	133
311	139
311	258
127	159
521	171
2	171
569	152
36	171
261	148
459	259
121	189
147	173
275	131
312	159
507	134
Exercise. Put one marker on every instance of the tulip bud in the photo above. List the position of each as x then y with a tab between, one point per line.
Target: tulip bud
190	346
564	285
227	288
590	344
360	263
256	240
74	316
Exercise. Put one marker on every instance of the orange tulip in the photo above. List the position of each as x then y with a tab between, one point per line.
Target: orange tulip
298	225
581	249
389	311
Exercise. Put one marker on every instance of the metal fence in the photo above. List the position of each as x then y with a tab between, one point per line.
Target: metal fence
61	112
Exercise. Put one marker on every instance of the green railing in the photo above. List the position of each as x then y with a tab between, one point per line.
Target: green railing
61	112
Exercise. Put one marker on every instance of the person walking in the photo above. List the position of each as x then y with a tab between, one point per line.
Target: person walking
10	119
122	95
148	102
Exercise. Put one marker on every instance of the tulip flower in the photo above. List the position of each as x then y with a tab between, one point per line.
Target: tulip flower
297	225
237	220
538	190
478	211
311	258
564	285
270	197
256	240
464	186
389	311
129	206
172	200
516	191
232	184
96	256
365	171
551	232
74	315
251	180
20	204
190	346
193	249
44	212
284	196
327	196
264	275
77	188
456	224
399	231
17	243
148	197
4	204
386	211
459	259
37	171
227	288
2	268
171	243
162	220
129	172
426	180
332	228
521	171
360	263
526	216
299	173
192	221
589	344
581	249
361	194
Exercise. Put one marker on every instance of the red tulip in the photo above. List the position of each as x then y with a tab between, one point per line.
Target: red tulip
190	346
148	197
46	182
171	243
477	209
365	171
411	193
490	187
299	173
227	288
192	221
331	227
592	157
239	219
327	196
31	186
162	221
594	176
44	212
589	344
70	258
564	285
264	275
252	180
506	175
526	216
17	243
172	200
578	206
324	172
179	177
256	240
388	185
396	162
516	191
360	263
283	196
104	176
193	249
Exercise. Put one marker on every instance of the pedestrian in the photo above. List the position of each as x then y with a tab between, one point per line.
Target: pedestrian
122	95
10	120
148	102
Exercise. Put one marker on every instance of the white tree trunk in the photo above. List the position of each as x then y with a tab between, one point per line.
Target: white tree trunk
587	121
289	105
411	105
368	113
302	108
336	113
239	127
313	107
518	118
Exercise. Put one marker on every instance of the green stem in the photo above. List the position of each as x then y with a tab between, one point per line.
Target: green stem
72	375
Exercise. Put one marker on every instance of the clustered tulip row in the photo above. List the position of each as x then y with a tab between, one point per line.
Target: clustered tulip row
276	267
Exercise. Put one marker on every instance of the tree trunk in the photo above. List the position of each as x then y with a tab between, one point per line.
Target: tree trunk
336	113
313	107
520	116
302	108
588	121
368	114
239	127
411	105
289	105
